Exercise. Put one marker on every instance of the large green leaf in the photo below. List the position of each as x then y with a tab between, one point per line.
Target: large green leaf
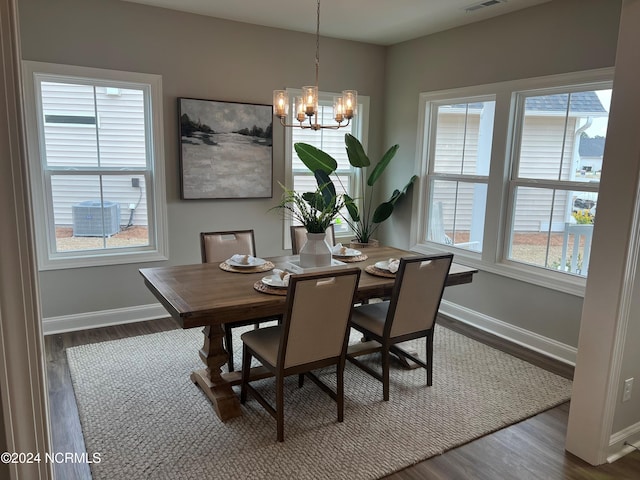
382	164
357	156
395	196
314	158
352	208
383	212
314	199
326	187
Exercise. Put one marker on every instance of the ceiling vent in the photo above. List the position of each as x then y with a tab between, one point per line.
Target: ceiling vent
480	5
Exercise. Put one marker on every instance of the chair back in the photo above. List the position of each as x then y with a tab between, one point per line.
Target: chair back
317	314
219	246
299	237
417	293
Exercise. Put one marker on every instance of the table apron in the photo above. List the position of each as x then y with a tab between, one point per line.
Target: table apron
233	314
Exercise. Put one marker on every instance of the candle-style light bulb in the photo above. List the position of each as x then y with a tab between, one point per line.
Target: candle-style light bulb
338	109
310	95
300	110
350	100
280	103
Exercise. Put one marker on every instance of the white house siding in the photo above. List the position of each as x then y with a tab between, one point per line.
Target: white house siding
452	146
542	143
541	147
118	142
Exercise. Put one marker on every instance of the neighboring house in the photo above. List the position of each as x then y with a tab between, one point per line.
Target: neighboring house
543	142
591	153
103	128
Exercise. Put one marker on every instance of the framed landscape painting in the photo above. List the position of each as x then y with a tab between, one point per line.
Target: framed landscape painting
225	149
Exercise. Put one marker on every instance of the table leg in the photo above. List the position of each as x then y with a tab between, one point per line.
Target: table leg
224	400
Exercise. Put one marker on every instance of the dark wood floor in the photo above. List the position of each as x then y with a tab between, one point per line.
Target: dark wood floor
532	449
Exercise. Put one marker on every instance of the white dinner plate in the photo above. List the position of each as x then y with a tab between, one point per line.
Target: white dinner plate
273	281
255	262
382	265
350	252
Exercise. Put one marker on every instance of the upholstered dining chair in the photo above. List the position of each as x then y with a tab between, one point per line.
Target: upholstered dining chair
216	247
313	334
299	237
409	314
220	246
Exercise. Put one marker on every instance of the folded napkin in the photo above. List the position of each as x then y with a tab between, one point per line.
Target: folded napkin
242	259
394	264
339	249
283	275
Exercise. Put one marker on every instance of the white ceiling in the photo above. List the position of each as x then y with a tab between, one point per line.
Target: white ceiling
382	22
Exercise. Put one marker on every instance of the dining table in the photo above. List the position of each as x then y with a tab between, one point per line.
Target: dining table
210	295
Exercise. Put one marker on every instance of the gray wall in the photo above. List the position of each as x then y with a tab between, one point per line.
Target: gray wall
556	37
198	57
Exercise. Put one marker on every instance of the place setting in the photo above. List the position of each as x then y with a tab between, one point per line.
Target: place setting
274	284
384	268
346	254
239	263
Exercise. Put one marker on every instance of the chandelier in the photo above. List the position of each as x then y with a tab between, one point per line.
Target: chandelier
306	105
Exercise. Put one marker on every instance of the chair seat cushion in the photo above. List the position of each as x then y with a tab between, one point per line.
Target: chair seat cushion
264	342
371	317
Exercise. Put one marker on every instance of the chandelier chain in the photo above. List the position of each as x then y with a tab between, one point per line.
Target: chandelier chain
317	42
306	106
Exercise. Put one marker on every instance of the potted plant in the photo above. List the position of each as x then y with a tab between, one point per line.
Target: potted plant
315	210
364	221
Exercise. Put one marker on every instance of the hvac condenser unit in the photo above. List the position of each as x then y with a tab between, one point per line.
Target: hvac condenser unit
93	218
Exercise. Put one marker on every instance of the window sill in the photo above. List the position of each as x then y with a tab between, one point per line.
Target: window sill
565	283
116	258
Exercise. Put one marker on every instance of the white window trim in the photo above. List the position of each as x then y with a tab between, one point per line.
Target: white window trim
361	121
48	259
492	259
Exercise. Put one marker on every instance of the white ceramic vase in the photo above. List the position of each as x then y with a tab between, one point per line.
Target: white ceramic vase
315	252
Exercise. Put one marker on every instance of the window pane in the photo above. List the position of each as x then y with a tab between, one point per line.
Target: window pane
552	230
563	136
69	142
330	141
121	127
75	137
463	138
96	212
456	214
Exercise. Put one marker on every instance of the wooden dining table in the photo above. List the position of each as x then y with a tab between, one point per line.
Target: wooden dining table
206	295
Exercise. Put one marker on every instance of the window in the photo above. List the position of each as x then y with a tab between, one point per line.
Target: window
332	142
511	175
97	165
557	161
460	134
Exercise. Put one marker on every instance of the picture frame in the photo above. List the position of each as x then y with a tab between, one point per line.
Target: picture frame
226	149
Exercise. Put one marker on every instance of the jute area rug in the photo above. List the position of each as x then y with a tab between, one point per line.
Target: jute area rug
141	412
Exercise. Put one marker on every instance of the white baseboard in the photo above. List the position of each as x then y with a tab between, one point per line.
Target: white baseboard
616	442
533	341
520	336
104	318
